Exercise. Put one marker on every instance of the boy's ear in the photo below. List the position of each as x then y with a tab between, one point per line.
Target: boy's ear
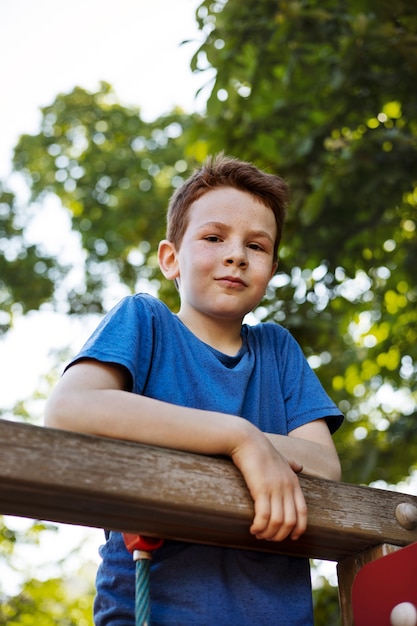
274	268
167	259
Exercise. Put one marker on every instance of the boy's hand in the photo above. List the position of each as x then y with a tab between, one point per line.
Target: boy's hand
280	507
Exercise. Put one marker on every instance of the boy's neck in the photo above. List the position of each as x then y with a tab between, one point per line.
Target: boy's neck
222	335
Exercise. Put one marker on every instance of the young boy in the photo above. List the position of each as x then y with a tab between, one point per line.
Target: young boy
202	381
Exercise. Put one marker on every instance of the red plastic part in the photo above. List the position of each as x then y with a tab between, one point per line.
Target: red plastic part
138	542
384	583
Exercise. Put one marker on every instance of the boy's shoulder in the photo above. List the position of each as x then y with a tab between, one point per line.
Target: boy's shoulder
141	301
137	311
267	330
270	338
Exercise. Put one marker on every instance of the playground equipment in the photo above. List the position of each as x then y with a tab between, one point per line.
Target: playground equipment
384	592
92	481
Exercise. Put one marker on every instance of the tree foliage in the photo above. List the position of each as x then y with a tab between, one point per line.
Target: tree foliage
325	94
21	264
52	602
113	173
49	603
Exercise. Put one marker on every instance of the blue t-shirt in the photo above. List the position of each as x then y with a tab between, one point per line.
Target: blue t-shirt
270	383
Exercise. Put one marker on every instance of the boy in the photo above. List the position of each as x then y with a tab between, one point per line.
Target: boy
202	381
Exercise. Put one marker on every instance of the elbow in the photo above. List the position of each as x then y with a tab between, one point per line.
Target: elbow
51	417
56	413
330	468
335	470
330	471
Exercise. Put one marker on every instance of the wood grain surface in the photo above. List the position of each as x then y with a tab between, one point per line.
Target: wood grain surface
91	481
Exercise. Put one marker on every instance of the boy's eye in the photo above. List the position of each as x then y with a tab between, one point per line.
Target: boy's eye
255	246
213	238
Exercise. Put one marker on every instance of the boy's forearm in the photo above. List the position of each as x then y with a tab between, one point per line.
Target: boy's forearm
124	415
91	398
317	459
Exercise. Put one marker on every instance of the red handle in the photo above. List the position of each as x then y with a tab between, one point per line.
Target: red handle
138	542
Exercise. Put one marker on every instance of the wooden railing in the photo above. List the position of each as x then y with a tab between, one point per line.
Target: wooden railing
92	481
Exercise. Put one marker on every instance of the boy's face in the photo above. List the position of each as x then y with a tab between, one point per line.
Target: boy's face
226	257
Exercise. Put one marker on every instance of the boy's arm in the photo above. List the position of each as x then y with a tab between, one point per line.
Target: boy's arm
91	397
312	446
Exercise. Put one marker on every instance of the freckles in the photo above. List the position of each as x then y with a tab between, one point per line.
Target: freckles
207	254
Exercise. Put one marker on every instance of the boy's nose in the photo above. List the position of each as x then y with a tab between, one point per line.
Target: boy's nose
237	256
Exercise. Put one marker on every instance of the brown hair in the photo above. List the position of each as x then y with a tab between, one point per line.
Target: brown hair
222	171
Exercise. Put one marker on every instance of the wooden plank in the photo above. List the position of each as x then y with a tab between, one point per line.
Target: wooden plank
91	481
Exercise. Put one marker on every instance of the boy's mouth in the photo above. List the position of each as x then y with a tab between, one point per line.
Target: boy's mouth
232	281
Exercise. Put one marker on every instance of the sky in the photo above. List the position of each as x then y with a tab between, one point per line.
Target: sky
47	47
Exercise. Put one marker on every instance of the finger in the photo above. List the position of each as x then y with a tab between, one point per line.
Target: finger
288	515
262	515
280	521
301	507
283	518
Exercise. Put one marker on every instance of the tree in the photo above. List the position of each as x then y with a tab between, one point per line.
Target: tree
49	602
325	95
21	263
113	174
